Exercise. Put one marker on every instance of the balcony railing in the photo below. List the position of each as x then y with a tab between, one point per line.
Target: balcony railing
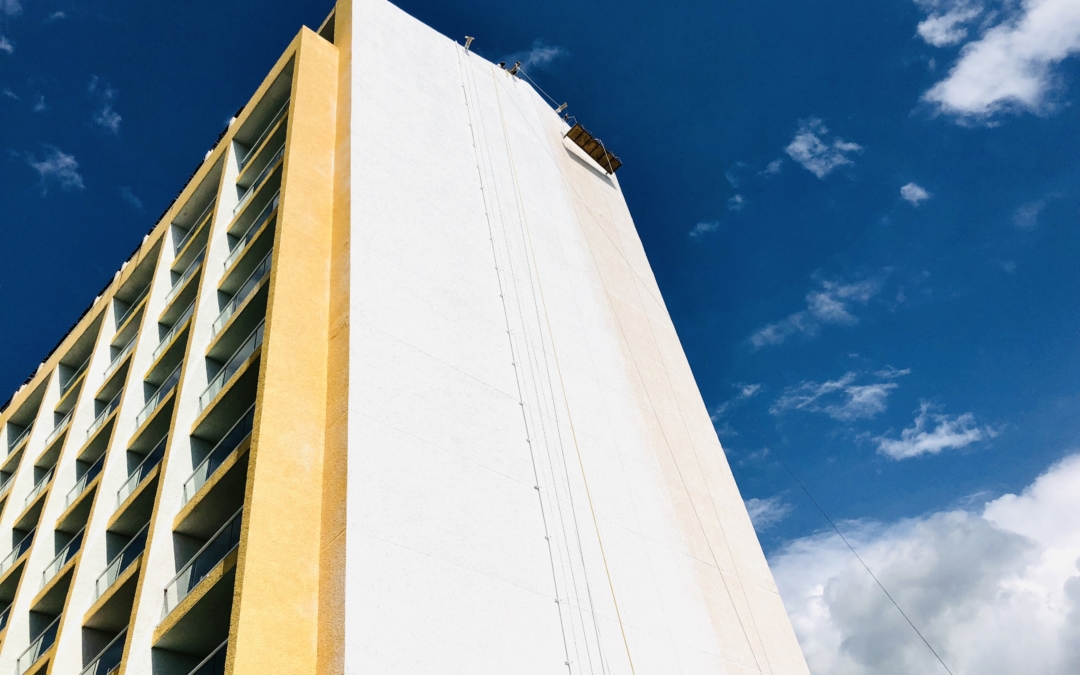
213	664
40	486
133	306
249	285
167	340
120	562
65	554
253	342
135	478
104	414
5	484
194	228
158	396
60	427
108	659
39	646
16	552
4	615
250	155
188	273
64	387
119	358
246	238
80	485
20	438
260	179
221	451
212	552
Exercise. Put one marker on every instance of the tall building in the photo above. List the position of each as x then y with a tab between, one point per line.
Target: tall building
390	388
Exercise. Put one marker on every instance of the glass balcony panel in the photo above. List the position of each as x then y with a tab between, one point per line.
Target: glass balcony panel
260	179
205	215
104	414
108	659
20	438
39	646
132	307
246	238
65	554
22	547
152	459
80	485
119	358
188	273
262	137
249	285
219	546
74	376
224	448
238	358
167	340
4	617
59	428
120	562
5	485
40	487
213	664
158	396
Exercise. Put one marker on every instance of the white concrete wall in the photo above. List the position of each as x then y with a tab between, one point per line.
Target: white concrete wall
533	478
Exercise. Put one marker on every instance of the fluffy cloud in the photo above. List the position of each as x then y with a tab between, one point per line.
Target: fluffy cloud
996	591
6	45
105	117
817	151
736	203
765	513
1010	66
539	57
840	399
947	432
948	21
829	304
703	228
1027	216
56	167
914	193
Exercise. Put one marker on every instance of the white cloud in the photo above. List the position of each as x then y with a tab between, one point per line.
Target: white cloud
996	591
914	193
105	117
830	304
11	7
736	203
773	167
6	45
539	57
1010	67
10	94
746	391
56	167
816	151
56	16
948	20
840	399
956	432
765	513
39	104
703	228
1027	216
128	196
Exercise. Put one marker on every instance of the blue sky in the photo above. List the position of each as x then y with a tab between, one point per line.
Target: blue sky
863	218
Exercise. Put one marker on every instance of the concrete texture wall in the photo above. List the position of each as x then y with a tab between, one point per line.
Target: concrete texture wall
533	481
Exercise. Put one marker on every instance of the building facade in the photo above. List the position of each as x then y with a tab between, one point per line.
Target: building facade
390	388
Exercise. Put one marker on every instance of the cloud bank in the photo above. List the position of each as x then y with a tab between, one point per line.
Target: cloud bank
996	591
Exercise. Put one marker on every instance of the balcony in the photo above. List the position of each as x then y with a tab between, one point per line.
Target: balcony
261	140
5	484
120	356
132	308
20	439
120	562
273	164
238	359
224	448
38	647
213	664
60	428
16	553
136	477
184	278
158	396
80	485
202	220
205	560
241	244
66	386
4	616
104	414
250	284
177	327
108	660
61	559
39	487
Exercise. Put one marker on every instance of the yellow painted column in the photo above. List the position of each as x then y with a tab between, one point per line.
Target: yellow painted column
275	617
